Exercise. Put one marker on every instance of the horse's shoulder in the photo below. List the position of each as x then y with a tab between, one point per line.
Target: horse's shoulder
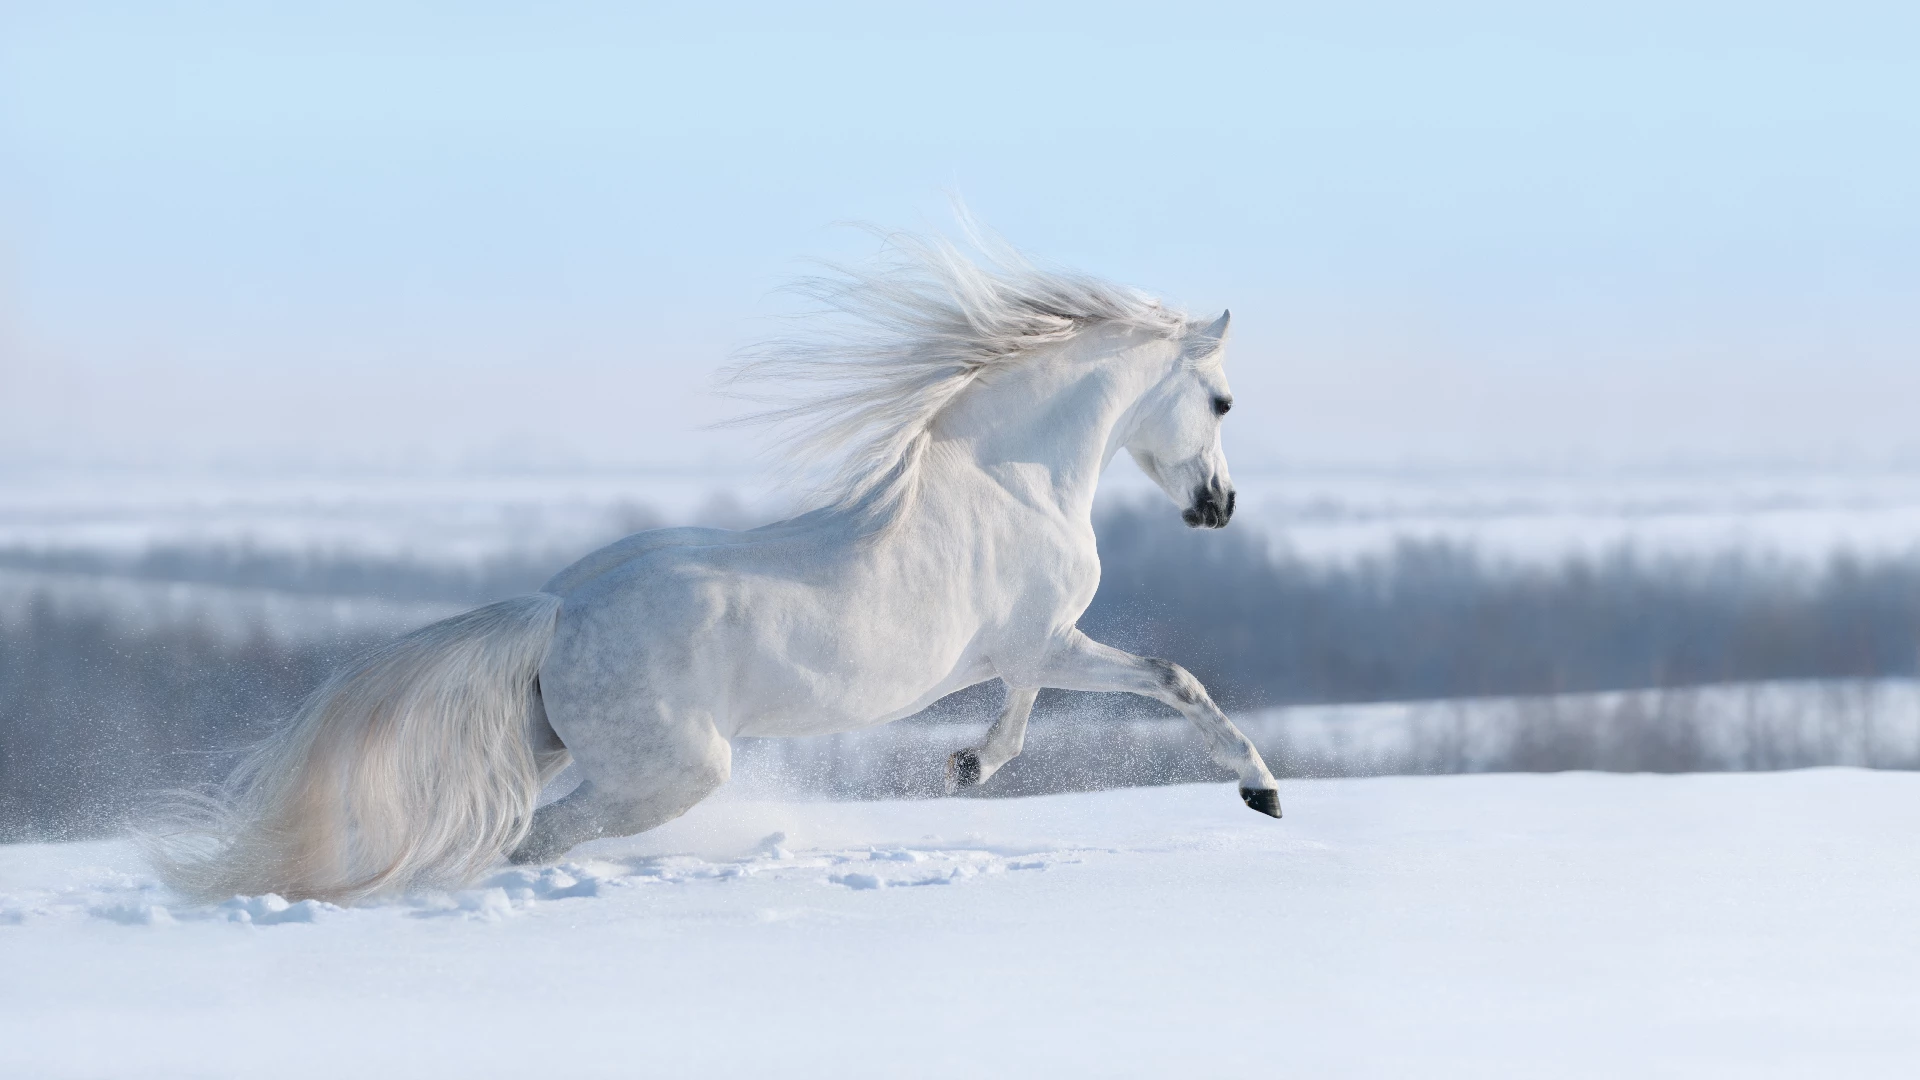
1044	555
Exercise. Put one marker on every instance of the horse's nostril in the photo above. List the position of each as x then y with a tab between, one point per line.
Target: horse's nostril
1212	506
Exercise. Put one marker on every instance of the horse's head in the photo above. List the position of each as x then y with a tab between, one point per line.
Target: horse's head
1175	435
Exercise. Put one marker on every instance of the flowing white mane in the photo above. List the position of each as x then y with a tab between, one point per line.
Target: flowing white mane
902	337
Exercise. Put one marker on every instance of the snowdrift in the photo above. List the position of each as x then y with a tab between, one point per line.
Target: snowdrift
1565	925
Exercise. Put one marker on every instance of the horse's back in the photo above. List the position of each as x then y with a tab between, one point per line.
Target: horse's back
623	551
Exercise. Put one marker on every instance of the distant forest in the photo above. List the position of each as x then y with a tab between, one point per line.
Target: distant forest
94	711
1437	620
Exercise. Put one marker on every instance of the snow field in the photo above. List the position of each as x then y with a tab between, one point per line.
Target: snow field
1517	925
1318	512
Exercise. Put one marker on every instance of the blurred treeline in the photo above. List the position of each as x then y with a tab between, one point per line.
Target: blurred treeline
93	711
1434	620
96	708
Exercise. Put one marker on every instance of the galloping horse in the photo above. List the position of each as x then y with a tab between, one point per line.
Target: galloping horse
971	414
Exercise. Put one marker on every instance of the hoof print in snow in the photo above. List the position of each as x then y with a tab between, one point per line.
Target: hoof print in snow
1265	800
963	770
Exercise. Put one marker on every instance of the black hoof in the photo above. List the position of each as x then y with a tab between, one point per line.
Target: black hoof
963	768
1265	800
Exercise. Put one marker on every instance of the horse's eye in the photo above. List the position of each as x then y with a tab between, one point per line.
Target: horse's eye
1221	405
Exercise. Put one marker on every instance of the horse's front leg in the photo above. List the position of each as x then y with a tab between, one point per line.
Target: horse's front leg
1078	662
971	766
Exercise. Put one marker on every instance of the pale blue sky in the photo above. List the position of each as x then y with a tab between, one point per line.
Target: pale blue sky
1485	234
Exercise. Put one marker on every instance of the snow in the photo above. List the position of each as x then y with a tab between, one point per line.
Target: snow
453	517
1518	925
228	613
1323	513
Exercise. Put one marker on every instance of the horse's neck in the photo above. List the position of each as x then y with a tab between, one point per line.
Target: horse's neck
1045	430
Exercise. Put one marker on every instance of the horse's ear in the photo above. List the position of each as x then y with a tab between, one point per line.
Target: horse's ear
1205	341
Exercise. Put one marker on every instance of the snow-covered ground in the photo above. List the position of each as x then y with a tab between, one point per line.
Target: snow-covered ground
1512	925
1319	513
232	613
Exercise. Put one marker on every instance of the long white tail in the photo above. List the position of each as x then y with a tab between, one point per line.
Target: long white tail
413	767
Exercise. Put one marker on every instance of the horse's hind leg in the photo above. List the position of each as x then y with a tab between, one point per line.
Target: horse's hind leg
657	772
971	766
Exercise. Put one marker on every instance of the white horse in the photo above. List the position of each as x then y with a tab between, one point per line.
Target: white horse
972	416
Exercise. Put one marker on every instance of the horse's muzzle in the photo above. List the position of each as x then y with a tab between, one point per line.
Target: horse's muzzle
1212	508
